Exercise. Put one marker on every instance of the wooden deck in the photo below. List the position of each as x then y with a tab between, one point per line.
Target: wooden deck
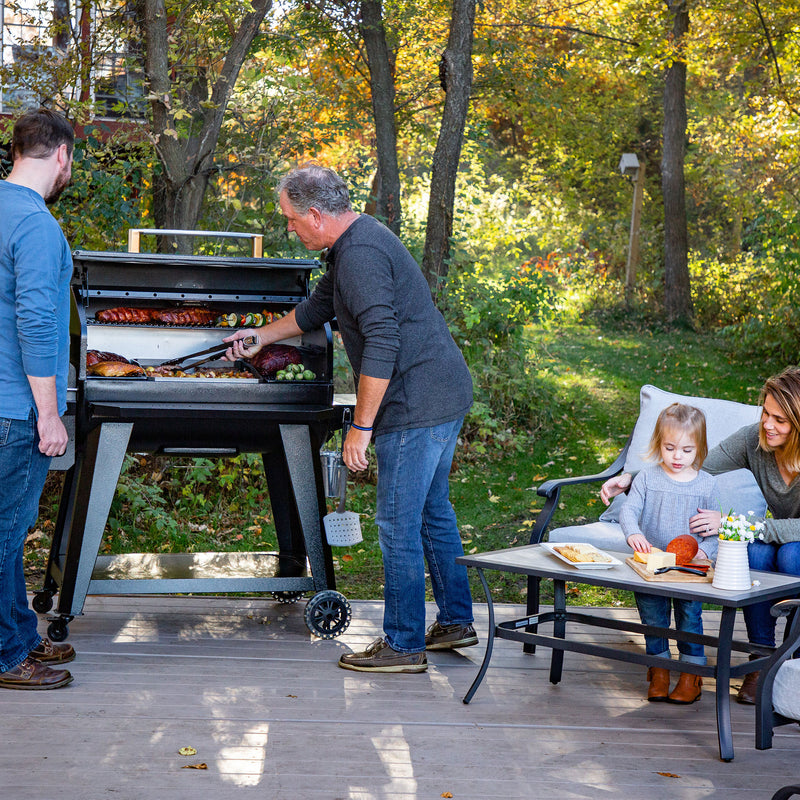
272	716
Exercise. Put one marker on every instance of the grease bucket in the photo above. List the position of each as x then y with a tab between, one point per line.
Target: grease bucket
332	472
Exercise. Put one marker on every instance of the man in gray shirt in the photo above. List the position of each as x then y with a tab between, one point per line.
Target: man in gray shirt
414	389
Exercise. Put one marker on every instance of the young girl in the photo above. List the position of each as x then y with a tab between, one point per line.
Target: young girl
661	501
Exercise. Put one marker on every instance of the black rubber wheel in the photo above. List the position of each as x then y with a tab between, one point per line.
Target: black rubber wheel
327	614
58	630
42	602
287	598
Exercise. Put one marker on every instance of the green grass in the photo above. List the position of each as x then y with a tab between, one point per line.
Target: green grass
590	374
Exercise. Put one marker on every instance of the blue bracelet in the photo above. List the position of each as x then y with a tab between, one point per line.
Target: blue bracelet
359	428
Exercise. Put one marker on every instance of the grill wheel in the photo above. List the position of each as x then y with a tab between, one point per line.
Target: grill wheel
327	614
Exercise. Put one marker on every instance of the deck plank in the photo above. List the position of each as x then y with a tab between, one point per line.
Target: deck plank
270	713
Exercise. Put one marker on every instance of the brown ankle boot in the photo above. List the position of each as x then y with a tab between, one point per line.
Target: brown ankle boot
659	684
687	690
747	691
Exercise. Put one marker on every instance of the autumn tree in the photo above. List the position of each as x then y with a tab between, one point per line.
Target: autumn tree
193	56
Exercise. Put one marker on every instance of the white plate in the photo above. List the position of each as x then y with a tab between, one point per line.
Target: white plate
551	548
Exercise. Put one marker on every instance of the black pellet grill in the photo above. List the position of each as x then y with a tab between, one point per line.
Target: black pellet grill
287	422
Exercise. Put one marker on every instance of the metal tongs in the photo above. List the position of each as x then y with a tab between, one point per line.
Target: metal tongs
210	353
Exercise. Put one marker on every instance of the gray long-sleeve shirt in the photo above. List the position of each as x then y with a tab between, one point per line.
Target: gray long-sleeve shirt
660	508
390	328
741	450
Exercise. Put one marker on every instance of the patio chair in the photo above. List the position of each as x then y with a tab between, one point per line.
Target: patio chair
778	691
736	490
786	792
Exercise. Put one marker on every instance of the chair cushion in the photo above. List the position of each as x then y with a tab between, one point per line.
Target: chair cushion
786	689
737	490
605	535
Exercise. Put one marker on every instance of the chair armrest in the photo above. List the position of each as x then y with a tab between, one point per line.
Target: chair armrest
784	607
552	490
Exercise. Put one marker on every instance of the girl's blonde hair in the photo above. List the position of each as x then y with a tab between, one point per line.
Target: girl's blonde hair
784	389
687	419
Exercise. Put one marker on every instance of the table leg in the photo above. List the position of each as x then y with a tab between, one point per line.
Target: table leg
559	628
487	656
723	678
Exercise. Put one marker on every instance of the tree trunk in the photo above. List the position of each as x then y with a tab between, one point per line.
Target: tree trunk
382	88
456	73
187	159
677	292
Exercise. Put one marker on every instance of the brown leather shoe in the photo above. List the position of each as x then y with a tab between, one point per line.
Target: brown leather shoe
687	689
46	652
659	684
30	674
747	691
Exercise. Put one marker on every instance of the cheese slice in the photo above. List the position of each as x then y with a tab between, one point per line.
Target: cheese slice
642	557
656	560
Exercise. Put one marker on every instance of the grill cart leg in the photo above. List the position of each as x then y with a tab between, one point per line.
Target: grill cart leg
98	472
303	464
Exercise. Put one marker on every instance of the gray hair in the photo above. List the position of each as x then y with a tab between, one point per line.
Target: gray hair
313	186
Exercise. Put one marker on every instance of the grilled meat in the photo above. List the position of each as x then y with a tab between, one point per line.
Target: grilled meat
274	357
186	316
122	314
97	356
115	369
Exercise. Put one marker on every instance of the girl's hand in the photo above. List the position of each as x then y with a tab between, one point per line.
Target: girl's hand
701	554
637	541
705	522
614	486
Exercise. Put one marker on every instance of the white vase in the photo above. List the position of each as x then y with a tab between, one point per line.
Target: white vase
732	569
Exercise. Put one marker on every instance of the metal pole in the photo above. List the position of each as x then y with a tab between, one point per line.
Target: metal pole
633	243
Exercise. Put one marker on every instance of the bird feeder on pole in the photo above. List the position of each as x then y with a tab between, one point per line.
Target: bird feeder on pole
631	167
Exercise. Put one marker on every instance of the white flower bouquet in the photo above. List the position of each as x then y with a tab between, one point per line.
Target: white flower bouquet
741	527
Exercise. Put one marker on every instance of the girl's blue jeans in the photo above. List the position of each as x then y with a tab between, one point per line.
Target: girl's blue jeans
655	610
417	524
23	470
768	558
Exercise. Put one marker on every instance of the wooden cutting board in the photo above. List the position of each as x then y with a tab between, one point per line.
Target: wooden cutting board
673	576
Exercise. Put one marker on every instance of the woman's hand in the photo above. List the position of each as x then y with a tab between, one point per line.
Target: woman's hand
637	542
237	350
705	522
614	486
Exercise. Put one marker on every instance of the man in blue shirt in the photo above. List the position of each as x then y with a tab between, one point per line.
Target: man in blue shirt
35	272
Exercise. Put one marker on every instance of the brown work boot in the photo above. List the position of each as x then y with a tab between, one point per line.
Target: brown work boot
659	684
47	652
687	689
747	691
30	674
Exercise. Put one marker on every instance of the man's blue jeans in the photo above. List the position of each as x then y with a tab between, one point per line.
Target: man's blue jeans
417	523
768	558
23	470
688	617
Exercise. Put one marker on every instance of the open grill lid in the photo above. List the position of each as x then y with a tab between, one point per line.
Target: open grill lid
120	276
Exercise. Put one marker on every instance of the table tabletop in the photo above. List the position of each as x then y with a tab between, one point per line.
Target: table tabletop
536	560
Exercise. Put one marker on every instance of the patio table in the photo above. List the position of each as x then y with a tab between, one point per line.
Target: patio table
536	561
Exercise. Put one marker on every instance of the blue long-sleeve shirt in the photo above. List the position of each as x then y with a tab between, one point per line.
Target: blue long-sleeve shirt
35	272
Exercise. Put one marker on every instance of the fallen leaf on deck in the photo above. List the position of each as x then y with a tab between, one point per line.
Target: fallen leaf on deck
187	751
668	774
201	765
446	794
